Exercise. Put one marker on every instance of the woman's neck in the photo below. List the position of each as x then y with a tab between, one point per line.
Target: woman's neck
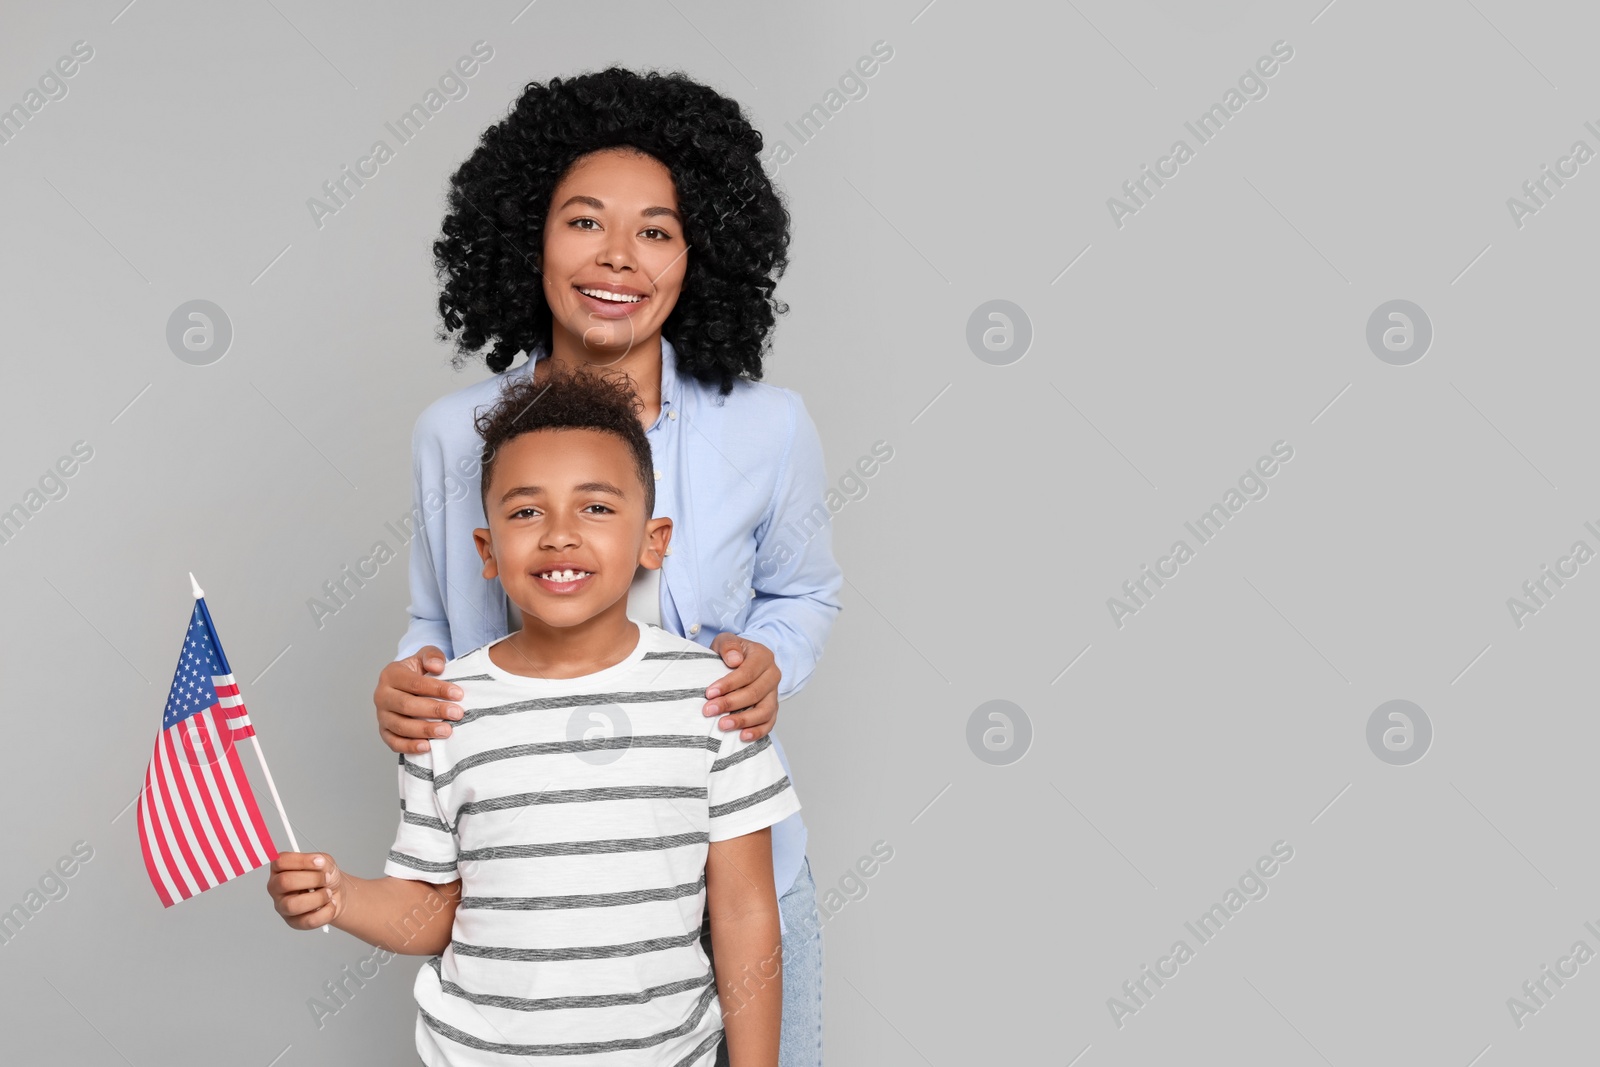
642	363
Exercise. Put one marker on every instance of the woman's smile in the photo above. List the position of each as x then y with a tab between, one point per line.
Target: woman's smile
620	302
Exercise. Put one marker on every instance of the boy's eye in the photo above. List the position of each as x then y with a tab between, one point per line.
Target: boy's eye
520	512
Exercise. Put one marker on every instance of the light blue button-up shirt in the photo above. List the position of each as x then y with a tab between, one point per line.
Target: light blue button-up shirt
742	479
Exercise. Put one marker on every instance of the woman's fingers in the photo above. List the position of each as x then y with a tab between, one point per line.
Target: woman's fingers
406	677
723	688
406	699
417	720
431	659
754	722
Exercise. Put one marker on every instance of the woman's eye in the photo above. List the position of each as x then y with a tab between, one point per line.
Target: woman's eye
665	236
585	219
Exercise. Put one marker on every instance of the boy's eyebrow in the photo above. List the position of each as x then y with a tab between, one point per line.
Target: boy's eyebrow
598	205
586	487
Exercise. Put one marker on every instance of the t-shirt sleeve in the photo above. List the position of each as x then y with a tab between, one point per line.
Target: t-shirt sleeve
425	845
748	788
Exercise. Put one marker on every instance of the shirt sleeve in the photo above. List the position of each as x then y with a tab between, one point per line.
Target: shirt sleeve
425	846
748	788
429	624
796	584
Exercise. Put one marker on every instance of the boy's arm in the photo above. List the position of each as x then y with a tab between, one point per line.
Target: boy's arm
396	914
746	947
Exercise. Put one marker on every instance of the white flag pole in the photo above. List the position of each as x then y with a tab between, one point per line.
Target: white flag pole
262	759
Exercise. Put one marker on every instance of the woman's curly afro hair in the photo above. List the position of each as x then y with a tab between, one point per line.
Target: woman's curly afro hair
736	226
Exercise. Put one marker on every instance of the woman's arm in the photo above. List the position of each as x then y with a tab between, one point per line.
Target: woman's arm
796	580
429	624
406	698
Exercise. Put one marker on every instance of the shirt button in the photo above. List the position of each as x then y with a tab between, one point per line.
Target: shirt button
658	476
672	414
694	629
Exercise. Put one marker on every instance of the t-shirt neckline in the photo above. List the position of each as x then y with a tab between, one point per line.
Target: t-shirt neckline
621	667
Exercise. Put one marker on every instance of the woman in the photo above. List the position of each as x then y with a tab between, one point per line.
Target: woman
622	222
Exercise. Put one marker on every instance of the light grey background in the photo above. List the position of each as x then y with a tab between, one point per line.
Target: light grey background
1168	754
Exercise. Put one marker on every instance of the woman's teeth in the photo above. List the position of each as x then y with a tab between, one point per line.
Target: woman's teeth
601	294
564	576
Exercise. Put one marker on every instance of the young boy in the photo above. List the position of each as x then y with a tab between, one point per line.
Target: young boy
558	853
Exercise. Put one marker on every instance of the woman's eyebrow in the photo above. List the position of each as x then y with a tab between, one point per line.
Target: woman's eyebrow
599	205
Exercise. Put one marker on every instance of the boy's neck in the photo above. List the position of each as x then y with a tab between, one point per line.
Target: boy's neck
540	650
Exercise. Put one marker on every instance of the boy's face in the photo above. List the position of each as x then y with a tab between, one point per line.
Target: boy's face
568	500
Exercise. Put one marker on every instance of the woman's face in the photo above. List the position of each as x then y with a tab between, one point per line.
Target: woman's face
613	228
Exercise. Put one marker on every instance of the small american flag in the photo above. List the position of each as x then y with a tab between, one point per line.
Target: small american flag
198	821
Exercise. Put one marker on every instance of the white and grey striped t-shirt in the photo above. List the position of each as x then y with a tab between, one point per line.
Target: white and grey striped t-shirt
577	813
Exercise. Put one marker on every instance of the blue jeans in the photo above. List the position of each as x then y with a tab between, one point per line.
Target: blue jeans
801	1042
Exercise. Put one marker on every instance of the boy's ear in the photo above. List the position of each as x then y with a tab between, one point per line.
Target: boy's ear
480	541
657	536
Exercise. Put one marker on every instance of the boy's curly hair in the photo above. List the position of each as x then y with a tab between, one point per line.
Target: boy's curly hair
734	221
568	400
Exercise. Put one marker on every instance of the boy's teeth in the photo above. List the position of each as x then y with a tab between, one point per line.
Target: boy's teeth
564	576
601	294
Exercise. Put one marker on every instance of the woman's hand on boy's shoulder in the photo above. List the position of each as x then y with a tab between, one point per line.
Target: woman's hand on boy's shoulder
307	889
407	700
747	698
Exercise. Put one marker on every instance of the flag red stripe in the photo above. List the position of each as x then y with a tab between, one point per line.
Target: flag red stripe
249	799
226	777
197	801
144	846
206	786
177	818
240	711
166	836
198	839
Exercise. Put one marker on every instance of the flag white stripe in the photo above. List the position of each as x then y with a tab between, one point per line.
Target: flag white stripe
238	724
203	817
230	702
206	876
153	839
168	838
207	772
